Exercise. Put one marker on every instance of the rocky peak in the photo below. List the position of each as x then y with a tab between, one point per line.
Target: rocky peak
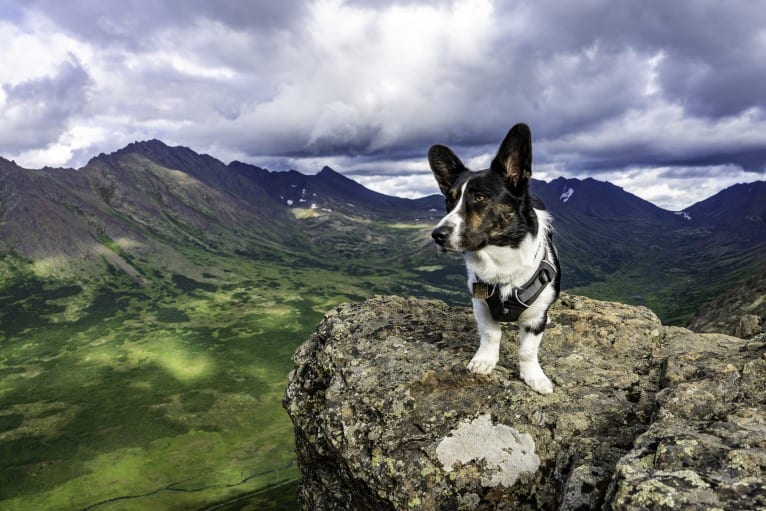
7	163
642	416
328	172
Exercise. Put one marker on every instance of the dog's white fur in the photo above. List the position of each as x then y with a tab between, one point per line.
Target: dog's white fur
454	220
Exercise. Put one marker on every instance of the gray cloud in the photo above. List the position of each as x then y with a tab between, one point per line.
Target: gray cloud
135	23
36	112
605	85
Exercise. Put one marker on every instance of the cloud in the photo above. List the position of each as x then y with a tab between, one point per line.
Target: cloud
664	135
36	112
668	187
136	24
366	86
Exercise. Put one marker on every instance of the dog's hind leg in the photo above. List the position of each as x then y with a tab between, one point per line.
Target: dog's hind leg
529	366
486	357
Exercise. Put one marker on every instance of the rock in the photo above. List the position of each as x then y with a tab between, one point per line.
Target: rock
642	416
749	325
706	447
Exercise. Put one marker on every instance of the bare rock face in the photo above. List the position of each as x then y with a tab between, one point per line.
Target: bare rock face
642	416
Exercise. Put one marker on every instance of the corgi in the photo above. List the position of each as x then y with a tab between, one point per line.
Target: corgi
504	234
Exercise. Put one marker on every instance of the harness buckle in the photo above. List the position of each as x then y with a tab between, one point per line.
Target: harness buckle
481	290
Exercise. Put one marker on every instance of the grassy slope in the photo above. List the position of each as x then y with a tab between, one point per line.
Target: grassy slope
168	396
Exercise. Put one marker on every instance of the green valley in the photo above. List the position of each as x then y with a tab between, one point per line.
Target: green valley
166	395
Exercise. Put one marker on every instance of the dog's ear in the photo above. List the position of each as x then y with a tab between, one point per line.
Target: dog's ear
445	165
514	158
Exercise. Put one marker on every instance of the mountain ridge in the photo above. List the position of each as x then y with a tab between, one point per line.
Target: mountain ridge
148	199
187	160
587	196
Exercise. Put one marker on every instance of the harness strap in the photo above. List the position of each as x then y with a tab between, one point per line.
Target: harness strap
520	298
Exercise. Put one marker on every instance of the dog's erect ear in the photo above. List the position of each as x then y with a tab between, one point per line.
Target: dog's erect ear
514	158
445	165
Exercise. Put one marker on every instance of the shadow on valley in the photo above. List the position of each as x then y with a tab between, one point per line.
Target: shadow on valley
121	389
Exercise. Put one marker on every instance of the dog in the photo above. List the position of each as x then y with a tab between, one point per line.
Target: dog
505	236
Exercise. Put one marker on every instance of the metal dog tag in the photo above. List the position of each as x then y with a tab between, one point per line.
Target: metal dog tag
480	290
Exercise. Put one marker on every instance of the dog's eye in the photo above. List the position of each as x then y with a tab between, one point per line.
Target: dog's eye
479	198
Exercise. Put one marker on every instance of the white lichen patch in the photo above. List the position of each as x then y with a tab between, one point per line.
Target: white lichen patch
506	452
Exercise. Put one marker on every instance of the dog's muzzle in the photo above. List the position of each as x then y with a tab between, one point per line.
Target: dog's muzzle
440	234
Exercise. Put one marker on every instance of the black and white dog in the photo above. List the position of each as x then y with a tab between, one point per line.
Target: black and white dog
504	234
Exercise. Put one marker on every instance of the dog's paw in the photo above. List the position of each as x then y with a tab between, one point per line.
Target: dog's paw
482	364
535	378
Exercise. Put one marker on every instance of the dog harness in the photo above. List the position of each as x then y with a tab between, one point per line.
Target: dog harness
520	298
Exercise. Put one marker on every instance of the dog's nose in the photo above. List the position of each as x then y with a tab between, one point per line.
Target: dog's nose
440	234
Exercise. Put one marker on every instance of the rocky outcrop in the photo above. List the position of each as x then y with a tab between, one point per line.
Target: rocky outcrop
642	416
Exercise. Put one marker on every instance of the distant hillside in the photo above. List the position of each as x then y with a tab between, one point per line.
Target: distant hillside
737	213
618	246
724	313
135	203
143	208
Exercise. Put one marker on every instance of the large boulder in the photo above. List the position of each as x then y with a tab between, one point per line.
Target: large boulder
642	416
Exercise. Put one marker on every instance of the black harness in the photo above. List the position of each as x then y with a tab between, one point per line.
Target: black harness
520	298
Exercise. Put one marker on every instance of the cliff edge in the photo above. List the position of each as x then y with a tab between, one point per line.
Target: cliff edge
642	416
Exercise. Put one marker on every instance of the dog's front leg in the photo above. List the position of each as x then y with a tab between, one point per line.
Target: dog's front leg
529	366
486	357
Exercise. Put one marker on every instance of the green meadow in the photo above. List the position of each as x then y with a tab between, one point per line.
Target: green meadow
167	394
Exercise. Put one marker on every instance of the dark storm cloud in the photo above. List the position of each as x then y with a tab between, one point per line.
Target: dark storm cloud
712	50
605	85
134	22
570	69
714	56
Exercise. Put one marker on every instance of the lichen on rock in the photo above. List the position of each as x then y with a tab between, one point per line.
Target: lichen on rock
643	416
505	452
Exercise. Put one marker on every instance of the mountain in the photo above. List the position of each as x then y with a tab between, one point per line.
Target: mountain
617	246
133	202
330	190
149	209
606	236
736	213
594	198
148	200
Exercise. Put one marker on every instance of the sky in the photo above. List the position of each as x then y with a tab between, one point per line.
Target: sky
664	98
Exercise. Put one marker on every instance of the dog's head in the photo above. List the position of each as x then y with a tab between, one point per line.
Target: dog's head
490	207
